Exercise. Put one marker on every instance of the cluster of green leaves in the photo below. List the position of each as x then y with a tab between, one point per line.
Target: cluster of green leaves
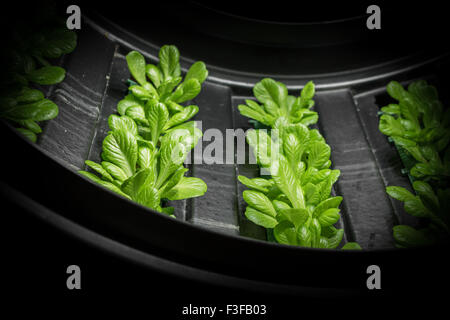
419	126
21	102
277	103
165	86
143	154
427	203
295	201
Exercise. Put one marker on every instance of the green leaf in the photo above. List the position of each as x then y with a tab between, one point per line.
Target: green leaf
304	236
321	175
351	246
288	183
270	107
270	90
260	202
421	170
312	194
149	197
333	202
263	146
259	115
292	148
258	184
188	187
169	211
309	118
323	243
186	134
410	112
137	113
390	126
395	90
308	91
22	62
129	101
59	41
120	148
427	195
297	216
180	117
172	155
169	65
285	233
295	138
28	95
38	111
47	75
172	181
399	193
260	218
100	170
153	74
124	123
197	71
142	179
319	154
335	240
114	171
415	207
106	184
157	116
151	89
393	109
280	206
27	134
423	91
146	157
300	131
329	217
173	107
326	185
143	93
136	64
316	231
188	90
407	236
30	125
411	147
166	88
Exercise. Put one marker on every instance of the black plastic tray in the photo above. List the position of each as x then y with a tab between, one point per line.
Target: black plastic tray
97	79
347	103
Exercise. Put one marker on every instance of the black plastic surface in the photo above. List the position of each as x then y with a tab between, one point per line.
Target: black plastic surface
346	103
96	81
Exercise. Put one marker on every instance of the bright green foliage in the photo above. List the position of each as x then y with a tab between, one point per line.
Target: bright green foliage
276	104
426	203
143	154
419	125
295	200
351	246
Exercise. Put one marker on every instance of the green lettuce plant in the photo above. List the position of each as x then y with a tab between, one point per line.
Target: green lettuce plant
420	127
143	154
428	204
419	124
27	65
295	201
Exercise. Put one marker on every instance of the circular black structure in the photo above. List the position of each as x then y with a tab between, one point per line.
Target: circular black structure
338	54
